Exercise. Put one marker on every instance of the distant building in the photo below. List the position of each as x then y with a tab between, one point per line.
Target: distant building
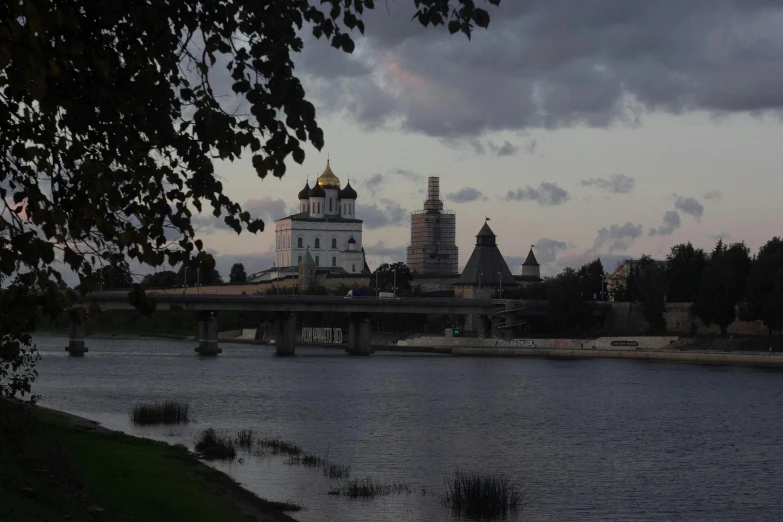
486	272
326	224
433	250
531	270
617	280
321	245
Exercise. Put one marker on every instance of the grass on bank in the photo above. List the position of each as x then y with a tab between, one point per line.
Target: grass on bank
167	412
53	466
475	495
213	445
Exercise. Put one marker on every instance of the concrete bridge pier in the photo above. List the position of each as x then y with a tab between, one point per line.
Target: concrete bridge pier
285	333
359	335
208	334
76	331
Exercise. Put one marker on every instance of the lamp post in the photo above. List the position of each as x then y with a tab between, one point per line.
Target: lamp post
198	280
500	279
394	286
376	282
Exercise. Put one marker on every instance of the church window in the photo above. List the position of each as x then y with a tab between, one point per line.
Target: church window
318	242
330	204
334	242
299	260
353	268
317	261
299	242
334	261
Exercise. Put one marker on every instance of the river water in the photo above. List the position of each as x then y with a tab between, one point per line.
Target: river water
594	439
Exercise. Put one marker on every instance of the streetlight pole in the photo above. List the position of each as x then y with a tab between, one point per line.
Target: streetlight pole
376	282
198	280
394	287
500	278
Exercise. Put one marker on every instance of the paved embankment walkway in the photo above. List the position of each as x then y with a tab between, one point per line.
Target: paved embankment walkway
638	348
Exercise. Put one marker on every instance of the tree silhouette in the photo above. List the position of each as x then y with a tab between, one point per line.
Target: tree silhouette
112	123
237	274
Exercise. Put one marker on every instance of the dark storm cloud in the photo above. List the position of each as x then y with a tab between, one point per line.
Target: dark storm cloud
712	194
689	206
465	195
547	194
671	222
547	63
616	184
616	238
388	214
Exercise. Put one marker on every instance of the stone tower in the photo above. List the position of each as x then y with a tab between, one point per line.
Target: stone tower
433	249
306	272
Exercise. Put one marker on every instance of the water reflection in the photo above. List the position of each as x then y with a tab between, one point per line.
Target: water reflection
594	439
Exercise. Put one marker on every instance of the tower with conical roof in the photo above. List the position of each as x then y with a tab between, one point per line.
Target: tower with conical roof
531	270
433	250
306	272
486	271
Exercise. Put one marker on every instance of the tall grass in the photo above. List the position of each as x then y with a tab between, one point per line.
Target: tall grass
167	412
328	468
245	439
476	495
213	445
280	447
369	488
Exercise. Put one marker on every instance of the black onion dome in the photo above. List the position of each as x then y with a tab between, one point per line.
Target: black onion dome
348	192
317	191
305	192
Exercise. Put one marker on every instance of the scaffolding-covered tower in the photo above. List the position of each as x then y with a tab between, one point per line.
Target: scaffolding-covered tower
433	250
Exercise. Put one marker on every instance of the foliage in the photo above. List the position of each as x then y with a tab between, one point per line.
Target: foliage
386	277
198	277
237	274
17	351
652	292
684	267
479	496
566	310
162	279
717	299
765	286
591	280
115	277
112	122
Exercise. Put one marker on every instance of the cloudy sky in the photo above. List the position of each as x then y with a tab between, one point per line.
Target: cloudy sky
591	129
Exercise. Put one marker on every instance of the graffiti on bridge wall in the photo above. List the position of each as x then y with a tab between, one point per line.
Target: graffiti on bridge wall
515	343
322	335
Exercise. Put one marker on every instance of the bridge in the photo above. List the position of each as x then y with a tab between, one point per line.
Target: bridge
502	316
284	308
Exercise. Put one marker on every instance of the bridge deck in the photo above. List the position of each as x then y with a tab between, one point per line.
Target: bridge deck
298	303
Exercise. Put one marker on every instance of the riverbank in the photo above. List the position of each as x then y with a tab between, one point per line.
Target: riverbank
55	466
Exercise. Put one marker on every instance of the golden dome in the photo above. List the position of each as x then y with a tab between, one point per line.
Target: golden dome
328	179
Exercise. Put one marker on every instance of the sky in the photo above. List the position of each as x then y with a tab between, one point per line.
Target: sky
594	129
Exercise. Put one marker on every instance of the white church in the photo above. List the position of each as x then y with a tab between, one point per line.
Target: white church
325	226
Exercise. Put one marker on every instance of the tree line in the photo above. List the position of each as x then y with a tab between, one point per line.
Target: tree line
723	285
